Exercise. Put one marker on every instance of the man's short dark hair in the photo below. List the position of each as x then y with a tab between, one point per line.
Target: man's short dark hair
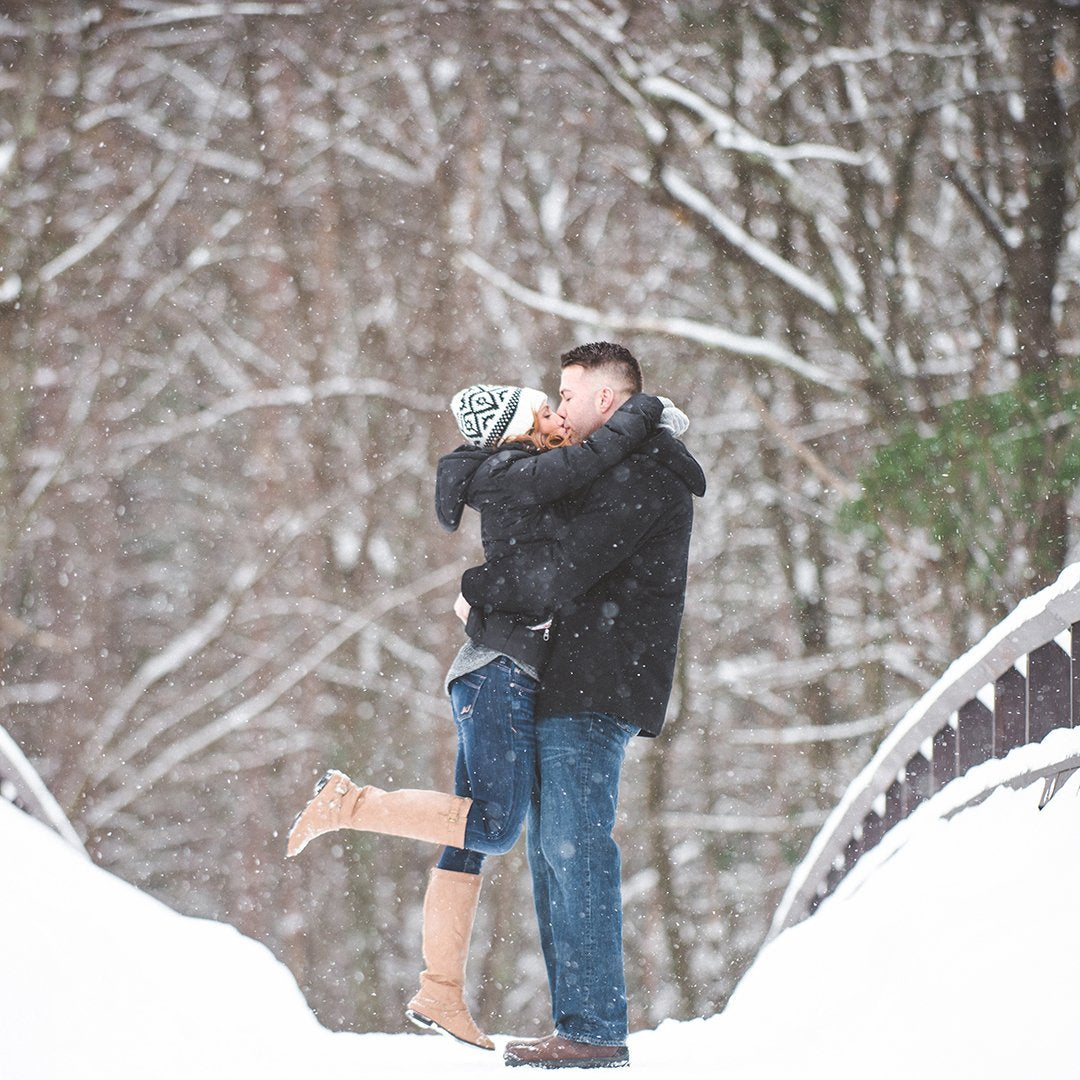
604	354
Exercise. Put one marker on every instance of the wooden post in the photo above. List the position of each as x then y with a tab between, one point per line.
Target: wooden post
974	735
1049	690
916	782
1075	635
1010	712
852	850
943	760
894	804
873	829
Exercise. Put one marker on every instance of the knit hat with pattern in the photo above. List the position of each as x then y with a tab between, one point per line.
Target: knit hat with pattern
489	415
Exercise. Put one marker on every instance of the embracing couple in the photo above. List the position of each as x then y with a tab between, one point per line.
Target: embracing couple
572	624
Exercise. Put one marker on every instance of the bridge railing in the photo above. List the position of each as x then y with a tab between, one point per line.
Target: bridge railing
1018	684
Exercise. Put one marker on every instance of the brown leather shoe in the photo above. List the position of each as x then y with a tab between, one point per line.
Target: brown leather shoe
532	1040
555	1052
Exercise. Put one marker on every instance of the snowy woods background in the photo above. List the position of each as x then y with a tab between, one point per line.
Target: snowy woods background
247	252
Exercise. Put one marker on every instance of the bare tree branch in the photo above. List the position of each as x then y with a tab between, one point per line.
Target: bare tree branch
741	345
190	745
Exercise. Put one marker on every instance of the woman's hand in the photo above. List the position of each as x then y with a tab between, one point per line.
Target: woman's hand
462	608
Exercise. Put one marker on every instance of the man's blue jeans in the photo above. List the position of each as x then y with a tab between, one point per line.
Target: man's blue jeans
576	872
493	710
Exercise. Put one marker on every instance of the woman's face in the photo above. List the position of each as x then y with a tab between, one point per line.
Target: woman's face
549	422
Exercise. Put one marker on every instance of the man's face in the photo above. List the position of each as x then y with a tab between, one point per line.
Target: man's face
580	397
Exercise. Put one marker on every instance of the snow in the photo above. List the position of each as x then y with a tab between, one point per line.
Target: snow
955	958
957	924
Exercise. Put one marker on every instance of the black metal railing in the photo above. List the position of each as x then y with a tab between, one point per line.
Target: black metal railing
1016	686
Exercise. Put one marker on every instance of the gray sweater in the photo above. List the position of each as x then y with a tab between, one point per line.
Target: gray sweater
472	657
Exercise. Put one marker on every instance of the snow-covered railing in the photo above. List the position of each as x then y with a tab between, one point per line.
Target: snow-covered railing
21	785
1017	685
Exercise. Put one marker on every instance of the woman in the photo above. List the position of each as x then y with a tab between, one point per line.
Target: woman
514	467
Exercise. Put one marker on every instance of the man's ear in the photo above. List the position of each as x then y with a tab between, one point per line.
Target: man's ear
605	399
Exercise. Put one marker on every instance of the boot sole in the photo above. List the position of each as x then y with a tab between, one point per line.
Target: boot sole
425	1022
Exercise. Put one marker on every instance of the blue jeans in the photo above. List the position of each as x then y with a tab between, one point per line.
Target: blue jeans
576	868
493	711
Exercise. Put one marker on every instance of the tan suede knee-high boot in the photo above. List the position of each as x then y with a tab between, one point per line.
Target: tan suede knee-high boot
338	803
449	909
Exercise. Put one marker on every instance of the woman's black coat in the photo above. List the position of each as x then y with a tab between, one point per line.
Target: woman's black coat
514	488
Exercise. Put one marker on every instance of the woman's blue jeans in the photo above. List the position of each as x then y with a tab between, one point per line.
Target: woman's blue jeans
494	713
576	872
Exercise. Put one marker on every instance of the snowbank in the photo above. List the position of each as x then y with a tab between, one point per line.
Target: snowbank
99	980
956	957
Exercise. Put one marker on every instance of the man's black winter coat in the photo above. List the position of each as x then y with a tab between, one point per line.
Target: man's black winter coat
619	587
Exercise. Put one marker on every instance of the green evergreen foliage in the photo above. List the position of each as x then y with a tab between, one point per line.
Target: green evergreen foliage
982	465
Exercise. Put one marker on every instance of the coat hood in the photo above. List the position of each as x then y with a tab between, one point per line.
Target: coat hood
669	452
452	479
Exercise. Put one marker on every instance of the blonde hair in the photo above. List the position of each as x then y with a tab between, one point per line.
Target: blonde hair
535	439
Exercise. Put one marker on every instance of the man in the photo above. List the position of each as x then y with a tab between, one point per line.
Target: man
608	678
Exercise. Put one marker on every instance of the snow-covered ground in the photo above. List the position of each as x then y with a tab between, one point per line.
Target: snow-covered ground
957	957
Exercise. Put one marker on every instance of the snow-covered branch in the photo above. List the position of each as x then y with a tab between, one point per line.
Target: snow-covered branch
808	734
655	130
165	662
186	645
728	134
181	13
141	736
78	411
838	56
386	163
832	480
752	675
754	348
1006	238
17	770
276	398
101	232
42	639
680	189
39	693
738	823
239	717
